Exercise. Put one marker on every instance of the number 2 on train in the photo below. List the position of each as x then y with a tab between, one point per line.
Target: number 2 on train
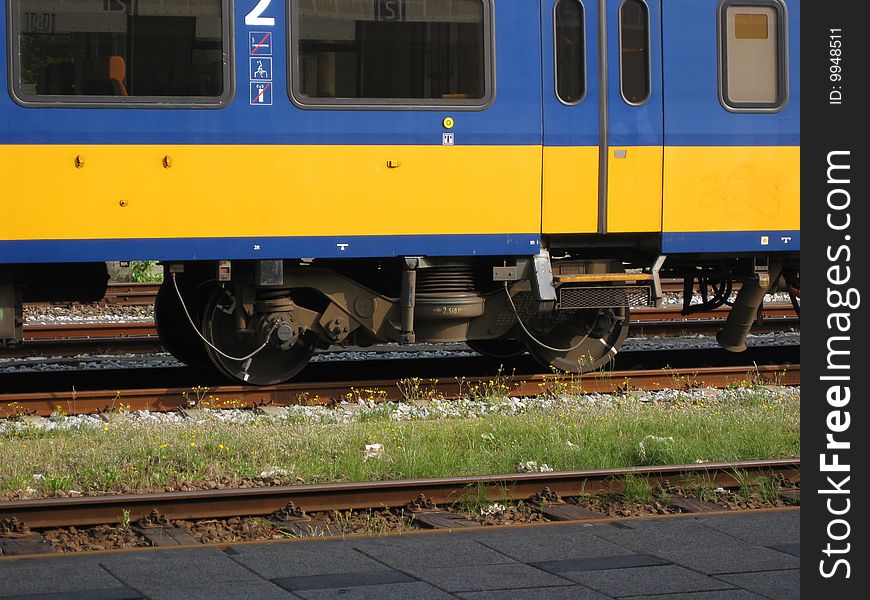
254	17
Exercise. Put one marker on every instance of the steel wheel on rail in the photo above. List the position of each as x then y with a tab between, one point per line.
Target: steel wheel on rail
173	327
274	363
586	339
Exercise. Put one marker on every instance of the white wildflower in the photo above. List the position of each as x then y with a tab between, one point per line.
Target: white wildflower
532	466
274	472
493	509
373	451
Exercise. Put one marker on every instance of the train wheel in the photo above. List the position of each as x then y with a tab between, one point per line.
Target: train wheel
270	366
497	348
175	331
579	340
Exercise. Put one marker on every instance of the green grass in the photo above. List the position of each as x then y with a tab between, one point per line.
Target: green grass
637	489
577	435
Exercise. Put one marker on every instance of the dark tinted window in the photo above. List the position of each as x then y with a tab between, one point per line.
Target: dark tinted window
634	51
570	51
384	51
132	49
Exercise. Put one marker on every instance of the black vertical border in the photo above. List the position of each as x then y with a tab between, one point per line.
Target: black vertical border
827	127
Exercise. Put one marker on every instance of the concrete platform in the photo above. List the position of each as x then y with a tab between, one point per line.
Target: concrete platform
741	556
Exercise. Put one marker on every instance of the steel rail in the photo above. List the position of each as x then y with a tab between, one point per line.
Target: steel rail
208	504
231	396
81	338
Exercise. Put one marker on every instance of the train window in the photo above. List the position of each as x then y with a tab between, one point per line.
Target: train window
752	55
570	51
634	43
121	52
391	52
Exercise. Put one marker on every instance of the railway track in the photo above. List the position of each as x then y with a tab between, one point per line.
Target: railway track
141	337
407	389
419	496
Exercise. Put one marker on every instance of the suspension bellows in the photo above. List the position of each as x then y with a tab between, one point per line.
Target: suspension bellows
447	292
732	336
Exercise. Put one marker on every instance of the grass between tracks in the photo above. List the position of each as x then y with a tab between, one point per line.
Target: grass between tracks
485	436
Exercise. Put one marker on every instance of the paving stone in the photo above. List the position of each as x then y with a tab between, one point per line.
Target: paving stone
177	569
764	529
394	591
699	547
573	592
556	543
714	559
342	580
299	559
776	585
719	595
488	577
793	549
448	550
260	590
60	574
600	563
106	594
667	579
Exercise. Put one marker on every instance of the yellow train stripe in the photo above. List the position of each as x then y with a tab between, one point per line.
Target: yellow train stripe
216	191
570	189
634	189
728	188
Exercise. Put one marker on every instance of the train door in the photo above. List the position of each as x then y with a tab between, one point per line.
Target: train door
635	125
571	116
603	123
732	126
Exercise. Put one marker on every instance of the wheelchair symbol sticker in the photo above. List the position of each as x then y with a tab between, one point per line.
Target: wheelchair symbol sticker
261	68
261	93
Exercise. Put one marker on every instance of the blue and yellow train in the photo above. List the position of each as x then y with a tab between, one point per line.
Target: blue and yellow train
516	174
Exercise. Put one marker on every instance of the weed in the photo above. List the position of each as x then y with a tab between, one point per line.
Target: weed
701	487
769	489
199	395
366	396
749	484
124	521
561	384
414	389
17	410
474	500
142	271
637	489
58	483
496	388
662	495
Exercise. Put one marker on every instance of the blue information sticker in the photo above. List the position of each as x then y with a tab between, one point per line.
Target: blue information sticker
260	43
261	68
261	93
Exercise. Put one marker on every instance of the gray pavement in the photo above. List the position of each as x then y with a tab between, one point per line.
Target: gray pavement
730	557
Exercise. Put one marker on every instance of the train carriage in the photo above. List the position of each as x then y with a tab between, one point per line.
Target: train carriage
516	174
